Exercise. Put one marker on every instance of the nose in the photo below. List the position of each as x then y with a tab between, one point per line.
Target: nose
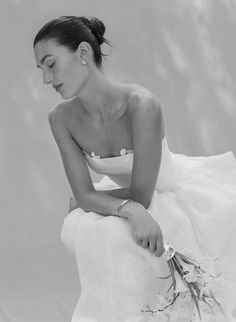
47	78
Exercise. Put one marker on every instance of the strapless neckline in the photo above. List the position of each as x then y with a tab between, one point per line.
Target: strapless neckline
97	157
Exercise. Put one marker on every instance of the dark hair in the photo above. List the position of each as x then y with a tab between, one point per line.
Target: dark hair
70	31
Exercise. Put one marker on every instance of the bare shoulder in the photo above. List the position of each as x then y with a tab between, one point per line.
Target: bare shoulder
143	100
58	112
58	119
144	106
63	113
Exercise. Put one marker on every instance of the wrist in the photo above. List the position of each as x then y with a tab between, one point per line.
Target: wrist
128	210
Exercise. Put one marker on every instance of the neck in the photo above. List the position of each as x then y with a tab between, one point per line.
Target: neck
100	97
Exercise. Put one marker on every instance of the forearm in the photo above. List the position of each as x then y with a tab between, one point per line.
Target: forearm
127	193
122	193
105	202
101	202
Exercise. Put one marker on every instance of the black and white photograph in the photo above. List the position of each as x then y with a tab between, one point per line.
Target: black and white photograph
118	161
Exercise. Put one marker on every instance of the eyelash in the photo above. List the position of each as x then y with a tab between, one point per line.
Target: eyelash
51	65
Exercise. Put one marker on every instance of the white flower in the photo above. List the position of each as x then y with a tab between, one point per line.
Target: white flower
209	301
169	251
191	277
123	151
207	289
162	301
93	155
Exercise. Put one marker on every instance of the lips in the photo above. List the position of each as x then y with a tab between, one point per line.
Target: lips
57	87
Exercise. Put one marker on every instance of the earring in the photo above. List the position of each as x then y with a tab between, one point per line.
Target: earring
83	62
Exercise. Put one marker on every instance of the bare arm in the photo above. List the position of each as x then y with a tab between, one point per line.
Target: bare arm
77	171
147	132
123	193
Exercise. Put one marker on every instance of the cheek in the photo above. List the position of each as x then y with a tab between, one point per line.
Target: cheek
71	72
75	75
63	70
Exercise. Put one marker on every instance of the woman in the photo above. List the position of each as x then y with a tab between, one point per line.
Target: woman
117	227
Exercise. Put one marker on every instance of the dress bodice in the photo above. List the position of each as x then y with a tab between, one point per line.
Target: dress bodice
119	169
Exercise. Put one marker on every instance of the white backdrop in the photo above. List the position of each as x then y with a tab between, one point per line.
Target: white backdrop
183	50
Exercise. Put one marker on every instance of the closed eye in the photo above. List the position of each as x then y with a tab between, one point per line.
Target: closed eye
50	66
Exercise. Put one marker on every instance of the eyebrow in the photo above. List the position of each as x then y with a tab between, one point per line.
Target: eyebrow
43	59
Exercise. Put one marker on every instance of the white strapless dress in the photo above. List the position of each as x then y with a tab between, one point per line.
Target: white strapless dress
195	204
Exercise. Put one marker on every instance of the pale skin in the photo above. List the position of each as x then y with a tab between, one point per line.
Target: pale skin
104	116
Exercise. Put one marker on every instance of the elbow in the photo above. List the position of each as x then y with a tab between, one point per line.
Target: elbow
146	203
141	198
82	200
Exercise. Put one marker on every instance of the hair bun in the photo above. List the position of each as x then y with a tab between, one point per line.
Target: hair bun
98	29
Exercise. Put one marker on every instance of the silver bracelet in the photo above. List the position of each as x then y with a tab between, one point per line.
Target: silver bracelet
120	206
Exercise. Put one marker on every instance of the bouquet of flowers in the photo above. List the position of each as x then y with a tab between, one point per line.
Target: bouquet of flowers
192	285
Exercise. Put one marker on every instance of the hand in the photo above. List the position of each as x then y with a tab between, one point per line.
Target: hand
145	230
72	204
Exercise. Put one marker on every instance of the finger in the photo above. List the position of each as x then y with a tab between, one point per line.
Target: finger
137	239
145	243
159	248
152	244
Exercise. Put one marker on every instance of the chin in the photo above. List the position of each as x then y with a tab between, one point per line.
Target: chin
66	96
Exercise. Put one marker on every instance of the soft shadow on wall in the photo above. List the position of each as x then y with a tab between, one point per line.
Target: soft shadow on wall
183	51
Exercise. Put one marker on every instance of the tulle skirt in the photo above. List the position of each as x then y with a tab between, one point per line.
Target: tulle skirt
197	215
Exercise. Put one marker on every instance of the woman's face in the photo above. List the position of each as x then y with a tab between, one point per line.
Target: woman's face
61	68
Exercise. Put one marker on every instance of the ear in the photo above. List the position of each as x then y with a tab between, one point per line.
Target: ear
84	50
